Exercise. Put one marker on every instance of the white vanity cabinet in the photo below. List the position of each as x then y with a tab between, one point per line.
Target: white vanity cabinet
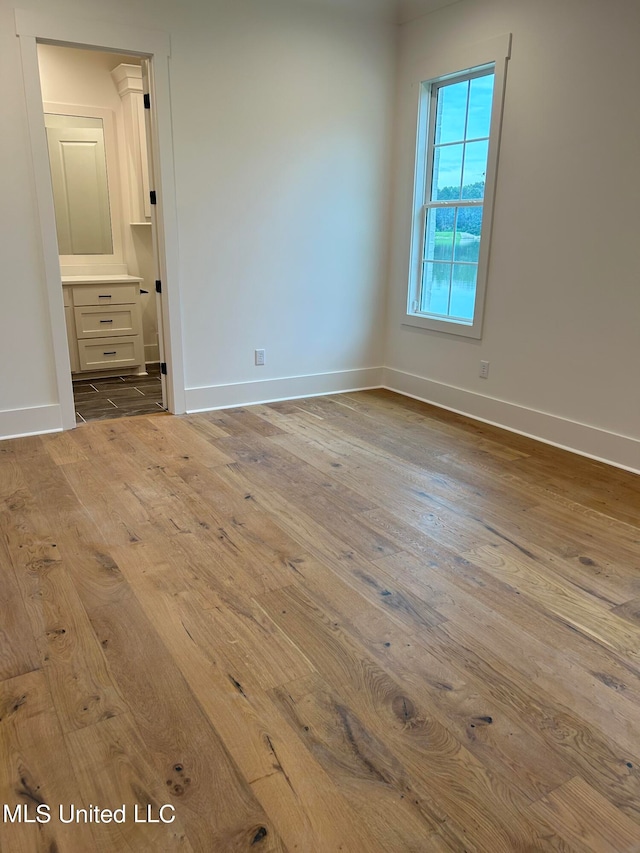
104	323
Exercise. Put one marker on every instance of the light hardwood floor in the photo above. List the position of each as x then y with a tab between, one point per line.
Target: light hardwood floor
353	623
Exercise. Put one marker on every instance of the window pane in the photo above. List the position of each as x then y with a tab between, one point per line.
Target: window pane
475	169
467	240
451	114
480	102
451	174
447	172
438	245
463	291
435	288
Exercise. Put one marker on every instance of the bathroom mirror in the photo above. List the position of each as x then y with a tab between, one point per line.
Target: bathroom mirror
80	185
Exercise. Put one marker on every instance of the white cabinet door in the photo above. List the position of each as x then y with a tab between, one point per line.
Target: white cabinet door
80	190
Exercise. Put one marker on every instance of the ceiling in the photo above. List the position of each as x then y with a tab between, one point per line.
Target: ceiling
407	10
398	11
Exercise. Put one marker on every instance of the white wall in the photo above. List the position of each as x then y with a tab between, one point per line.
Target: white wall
282	125
79	76
282	115
286	112
562	319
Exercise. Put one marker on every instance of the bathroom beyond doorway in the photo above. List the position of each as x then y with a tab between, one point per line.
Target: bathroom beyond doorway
118	396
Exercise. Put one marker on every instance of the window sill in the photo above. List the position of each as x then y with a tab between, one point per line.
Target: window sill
449	327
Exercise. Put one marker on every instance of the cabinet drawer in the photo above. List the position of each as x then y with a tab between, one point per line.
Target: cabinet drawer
66	295
98	321
105	294
110	353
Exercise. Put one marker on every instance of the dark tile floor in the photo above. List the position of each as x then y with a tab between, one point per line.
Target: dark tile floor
118	396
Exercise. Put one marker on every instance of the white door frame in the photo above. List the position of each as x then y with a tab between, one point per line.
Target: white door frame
32	27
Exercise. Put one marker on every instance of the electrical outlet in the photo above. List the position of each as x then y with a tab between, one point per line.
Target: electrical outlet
484	370
260	355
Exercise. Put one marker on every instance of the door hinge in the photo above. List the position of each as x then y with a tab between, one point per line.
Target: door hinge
147	101
152	196
158	286
163	368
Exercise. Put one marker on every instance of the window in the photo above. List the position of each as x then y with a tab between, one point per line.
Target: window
459	119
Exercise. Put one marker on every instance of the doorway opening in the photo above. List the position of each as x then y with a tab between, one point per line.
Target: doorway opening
108	224
94	116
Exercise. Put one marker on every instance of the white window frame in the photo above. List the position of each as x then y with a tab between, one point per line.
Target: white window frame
490	55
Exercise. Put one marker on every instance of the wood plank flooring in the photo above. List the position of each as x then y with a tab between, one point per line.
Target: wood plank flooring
352	623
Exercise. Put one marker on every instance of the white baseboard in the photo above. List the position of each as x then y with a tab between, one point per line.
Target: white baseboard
619	450
151	353
17	423
288	388
604	446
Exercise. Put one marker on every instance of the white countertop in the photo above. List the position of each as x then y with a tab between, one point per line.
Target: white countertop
100	279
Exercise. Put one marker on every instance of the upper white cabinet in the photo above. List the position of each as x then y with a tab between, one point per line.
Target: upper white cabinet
85	175
80	188
128	79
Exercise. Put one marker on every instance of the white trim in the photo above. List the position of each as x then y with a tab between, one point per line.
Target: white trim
46	216
18	423
621	451
76	32
494	53
128	79
100	35
451	61
166	220
287	388
151	354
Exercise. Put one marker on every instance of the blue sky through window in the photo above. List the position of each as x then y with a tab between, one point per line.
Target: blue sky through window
463	113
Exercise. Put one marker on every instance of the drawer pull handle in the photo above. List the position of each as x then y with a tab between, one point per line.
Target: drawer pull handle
113	352
106	321
105	295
